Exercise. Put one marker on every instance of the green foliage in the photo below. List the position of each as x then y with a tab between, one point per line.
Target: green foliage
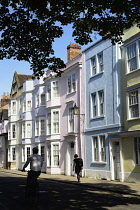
28	28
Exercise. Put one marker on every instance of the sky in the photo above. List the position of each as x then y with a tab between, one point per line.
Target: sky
9	66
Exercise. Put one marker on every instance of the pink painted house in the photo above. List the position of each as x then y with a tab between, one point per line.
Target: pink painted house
64	129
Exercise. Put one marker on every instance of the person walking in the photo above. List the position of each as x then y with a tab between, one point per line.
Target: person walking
77	166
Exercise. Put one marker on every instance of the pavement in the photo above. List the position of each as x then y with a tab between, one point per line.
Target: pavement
124	188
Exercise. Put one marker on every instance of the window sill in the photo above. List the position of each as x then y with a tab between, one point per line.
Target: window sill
136	118
98	117
132	71
99	162
71	93
96	74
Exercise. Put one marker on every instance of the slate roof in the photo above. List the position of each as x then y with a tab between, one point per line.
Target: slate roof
23	77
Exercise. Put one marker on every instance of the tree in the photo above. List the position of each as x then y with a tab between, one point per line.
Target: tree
28	28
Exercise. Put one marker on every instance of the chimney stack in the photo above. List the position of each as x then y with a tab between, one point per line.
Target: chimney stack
72	51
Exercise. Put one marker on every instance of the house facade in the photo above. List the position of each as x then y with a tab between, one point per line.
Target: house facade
3	136
131	93
15	121
4	130
103	111
64	135
41	114
33	119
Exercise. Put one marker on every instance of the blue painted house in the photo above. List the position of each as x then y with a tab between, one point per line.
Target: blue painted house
103	107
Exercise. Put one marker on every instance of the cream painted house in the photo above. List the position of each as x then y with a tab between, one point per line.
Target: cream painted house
130	138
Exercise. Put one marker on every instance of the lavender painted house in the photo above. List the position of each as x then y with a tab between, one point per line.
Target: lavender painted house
103	107
64	130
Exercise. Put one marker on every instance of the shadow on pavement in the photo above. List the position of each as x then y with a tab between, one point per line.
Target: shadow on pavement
57	195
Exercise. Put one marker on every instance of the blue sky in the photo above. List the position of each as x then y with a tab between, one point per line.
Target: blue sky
8	67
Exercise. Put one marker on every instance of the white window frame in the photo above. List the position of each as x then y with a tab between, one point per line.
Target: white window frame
100	62
13	154
71	83
23	130
132	103
49	155
29	105
42	126
94	104
23	154
93	66
55	154
48	123
70	120
101	102
9	131
97	104
14	108
24	106
37	100
102	148
29	129
48	91
134	56
43	98
42	152
13	130
95	147
20	104
99	149
97	64
37	127
55	123
27	152
55	89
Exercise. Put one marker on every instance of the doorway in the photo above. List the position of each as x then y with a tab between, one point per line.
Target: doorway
116	160
71	157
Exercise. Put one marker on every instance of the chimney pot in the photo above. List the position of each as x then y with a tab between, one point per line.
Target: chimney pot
72	51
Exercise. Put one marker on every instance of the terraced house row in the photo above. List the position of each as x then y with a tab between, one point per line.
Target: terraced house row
103	82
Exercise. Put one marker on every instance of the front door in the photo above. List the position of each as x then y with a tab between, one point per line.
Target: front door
116	160
72	157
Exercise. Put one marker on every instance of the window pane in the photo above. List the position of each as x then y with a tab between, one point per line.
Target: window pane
94	104
48	92
101	101
28	105
14	153
133	104
56	122
103	149
49	123
43	152
28	152
42	122
73	82
71	120
69	84
93	65
100	60
95	145
28	130
131	55
43	99
56	154
55	88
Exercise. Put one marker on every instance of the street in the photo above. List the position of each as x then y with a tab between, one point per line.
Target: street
56	195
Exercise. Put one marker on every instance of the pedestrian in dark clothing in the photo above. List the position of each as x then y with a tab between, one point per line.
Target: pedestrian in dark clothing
78	166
